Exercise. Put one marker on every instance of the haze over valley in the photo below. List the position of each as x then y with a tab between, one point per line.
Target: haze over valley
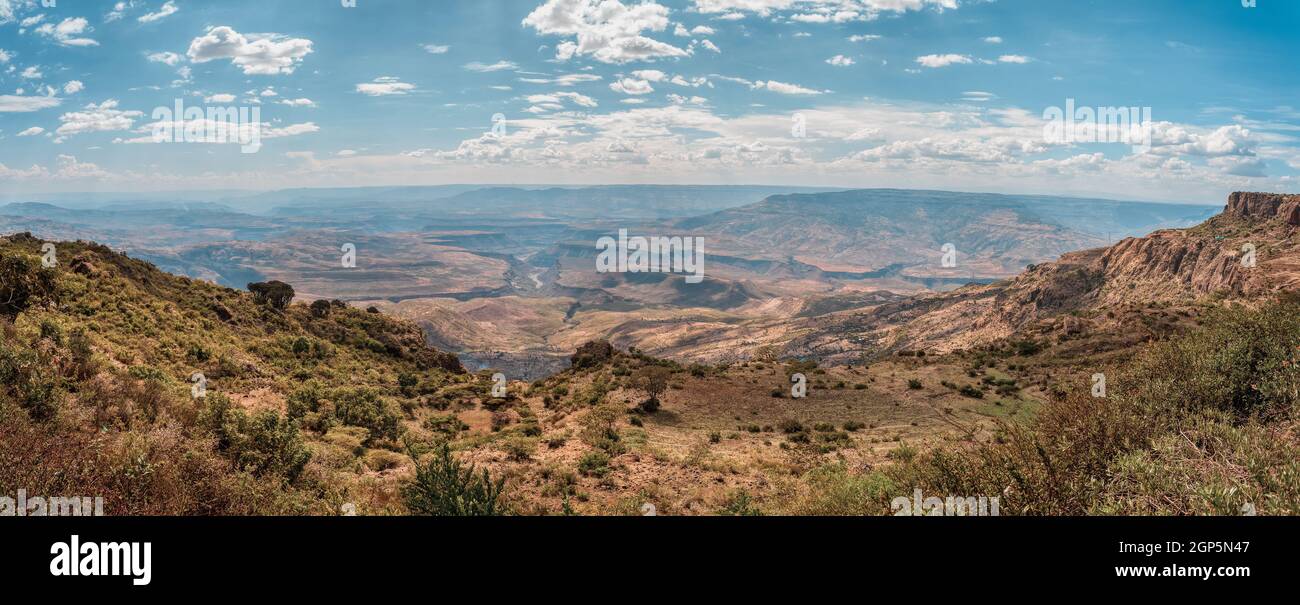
506	277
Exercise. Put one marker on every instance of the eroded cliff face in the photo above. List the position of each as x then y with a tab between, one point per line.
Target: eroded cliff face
1265	206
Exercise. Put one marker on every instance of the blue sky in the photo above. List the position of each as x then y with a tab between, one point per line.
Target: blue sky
857	93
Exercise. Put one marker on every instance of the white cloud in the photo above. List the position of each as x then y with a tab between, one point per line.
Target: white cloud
1014	59
818	11
220	98
255	54
785	89
709	45
230	133
166	58
68	32
32	73
606	30
119	11
298	102
631	86
703	30
4	56
863	38
435	49
577	99
491	67
31	132
25	104
73	87
652	75
564	79
383	86
840	61
993	39
97	118
168	9
942	60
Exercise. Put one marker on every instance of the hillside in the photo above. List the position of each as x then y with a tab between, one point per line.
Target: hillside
97	358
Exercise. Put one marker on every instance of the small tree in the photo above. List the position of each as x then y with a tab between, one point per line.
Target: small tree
653	380
275	293
23	282
445	488
320	308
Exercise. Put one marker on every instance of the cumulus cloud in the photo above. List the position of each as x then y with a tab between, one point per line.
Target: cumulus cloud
384	86
298	102
1014	59
96	118
73	87
993	40
840	61
220	98
68	32
255	54
606	30
631	86
166	58
31	132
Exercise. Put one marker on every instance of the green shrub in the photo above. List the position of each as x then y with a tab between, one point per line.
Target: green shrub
365	408
445	488
594	464
263	444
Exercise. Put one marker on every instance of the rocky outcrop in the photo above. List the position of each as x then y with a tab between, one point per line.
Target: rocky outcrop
1265	206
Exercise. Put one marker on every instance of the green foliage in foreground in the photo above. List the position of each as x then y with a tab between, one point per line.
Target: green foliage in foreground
443	487
1202	424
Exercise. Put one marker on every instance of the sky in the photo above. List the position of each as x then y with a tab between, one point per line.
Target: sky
925	94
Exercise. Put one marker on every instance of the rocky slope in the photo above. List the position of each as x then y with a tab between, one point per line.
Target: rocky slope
1201	265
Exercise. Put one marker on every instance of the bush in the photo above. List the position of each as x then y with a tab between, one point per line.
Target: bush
263	444
592	354
445	488
277	294
1194	425
594	464
789	426
364	408
29	380
23	282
